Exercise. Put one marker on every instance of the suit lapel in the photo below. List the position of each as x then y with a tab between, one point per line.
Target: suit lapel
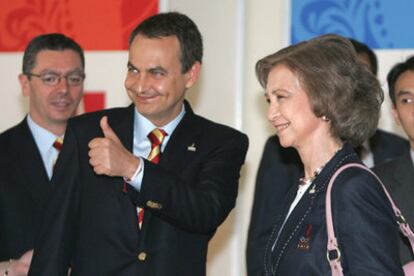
289	231
183	142
29	164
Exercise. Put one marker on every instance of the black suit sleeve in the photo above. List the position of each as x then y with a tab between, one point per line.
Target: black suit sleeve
199	198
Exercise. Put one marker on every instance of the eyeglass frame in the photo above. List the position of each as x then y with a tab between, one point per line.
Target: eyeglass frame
59	77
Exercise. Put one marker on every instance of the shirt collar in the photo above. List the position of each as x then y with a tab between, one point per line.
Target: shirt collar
44	139
143	126
412	155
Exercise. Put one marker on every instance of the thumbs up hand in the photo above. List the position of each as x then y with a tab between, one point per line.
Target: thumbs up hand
108	156
107	130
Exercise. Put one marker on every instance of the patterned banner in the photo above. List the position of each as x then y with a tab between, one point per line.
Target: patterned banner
380	24
95	24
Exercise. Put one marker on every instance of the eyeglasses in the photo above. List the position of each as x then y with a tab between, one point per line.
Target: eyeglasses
53	79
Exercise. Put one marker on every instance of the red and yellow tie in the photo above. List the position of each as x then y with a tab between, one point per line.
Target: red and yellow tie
58	143
58	146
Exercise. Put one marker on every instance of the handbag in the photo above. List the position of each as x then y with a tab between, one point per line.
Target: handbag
333	253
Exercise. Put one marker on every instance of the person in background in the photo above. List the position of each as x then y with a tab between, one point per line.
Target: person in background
280	168
309	100
52	78
155	155
398	173
383	145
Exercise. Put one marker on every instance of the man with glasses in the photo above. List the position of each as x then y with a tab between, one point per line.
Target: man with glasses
52	79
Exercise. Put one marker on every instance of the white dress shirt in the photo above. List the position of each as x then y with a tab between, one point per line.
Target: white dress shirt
44	140
299	194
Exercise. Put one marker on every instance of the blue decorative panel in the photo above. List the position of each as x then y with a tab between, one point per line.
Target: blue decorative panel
381	24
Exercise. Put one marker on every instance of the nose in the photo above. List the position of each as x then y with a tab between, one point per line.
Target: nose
412	110
138	83
63	85
272	111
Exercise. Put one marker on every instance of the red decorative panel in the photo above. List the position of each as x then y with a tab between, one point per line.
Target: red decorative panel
95	24
93	101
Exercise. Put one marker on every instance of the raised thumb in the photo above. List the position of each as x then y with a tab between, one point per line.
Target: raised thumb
107	130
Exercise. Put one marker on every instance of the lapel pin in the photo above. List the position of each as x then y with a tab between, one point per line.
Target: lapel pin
305	241
192	147
312	190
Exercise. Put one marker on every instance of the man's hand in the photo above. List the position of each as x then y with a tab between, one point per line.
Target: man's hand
21	266
108	156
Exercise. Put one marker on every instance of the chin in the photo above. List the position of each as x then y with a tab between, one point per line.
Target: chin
284	143
63	116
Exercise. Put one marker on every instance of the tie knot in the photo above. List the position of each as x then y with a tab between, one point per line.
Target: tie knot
58	143
157	136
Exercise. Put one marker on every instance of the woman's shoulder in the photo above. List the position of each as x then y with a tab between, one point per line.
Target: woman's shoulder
355	182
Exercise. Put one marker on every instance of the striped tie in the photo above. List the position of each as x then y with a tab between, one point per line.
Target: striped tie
58	143
156	137
58	146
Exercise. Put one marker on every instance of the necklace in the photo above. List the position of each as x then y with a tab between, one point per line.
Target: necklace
308	180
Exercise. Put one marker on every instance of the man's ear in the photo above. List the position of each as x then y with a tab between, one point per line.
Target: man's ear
192	74
396	115
24	84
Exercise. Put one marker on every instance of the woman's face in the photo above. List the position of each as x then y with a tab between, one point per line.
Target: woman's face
290	110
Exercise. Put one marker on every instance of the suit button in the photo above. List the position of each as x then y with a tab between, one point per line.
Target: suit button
142	256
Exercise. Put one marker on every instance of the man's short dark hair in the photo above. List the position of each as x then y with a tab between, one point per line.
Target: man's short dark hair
362	48
174	24
395	73
52	41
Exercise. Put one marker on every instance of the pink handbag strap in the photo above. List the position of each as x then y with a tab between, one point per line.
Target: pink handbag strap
335	259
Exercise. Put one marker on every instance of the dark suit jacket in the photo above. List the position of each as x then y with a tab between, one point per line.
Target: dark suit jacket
24	185
364	223
91	223
398	177
386	146
280	168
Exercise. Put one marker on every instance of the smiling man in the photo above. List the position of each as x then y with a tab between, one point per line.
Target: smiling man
52	79
141	190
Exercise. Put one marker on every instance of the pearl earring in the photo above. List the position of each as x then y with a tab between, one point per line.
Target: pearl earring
325	118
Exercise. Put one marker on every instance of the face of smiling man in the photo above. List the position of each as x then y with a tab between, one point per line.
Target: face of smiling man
52	105
155	82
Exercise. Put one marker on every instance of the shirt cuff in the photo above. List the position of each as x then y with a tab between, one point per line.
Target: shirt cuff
136	179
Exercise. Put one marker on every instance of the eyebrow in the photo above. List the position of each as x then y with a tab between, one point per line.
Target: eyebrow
404	93
48	71
156	68
276	90
129	64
